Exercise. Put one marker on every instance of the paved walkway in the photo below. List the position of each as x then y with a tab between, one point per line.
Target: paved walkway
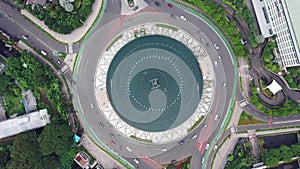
105	160
236	114
224	151
77	34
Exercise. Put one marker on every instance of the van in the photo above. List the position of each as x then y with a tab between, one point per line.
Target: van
43	53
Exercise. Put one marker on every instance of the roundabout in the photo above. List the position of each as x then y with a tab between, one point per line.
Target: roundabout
151	86
148	89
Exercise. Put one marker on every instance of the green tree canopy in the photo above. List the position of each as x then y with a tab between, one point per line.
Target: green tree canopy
55	139
25	152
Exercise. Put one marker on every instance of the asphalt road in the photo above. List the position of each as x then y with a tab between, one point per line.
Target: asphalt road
86	73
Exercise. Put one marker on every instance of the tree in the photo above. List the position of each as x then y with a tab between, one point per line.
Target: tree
5	84
230	157
286	153
296	149
4	158
25	152
55	139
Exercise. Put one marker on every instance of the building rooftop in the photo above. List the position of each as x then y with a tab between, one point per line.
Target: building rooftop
29	101
294	15
262	18
24	123
82	159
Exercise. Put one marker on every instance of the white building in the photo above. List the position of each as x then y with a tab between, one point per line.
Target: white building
279	17
24	123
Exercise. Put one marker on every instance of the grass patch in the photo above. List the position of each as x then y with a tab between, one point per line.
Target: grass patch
113	42
241	84
167	26
246	119
195	124
140	139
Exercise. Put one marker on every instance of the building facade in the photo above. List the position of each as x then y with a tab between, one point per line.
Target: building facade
276	17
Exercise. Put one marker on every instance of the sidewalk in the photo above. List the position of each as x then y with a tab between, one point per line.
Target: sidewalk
105	160
224	151
76	34
235	117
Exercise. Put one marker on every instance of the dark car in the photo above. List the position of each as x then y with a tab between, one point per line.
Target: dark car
181	142
170	5
157	4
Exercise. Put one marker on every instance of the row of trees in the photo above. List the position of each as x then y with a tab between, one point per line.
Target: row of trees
245	13
61	16
268	59
288	108
293	77
50	149
271	157
230	27
240	158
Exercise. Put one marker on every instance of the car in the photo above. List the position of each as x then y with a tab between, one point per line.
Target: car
113	143
92	105
205	125
216	46
183	17
136	161
173	161
101	125
215	147
219	57
216	63
25	37
244	41
43	53
181	142
202	161
58	61
208	45
207	146
224	85
128	149
135	8
112	135
217	117
164	149
194	136
170	5
157	4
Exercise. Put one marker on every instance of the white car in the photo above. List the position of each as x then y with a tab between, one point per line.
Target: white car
183	17
219	57
164	149
194	136
92	105
216	46
25	37
202	160
136	161
128	149
217	116
224	85
207	146
215	147
216	63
